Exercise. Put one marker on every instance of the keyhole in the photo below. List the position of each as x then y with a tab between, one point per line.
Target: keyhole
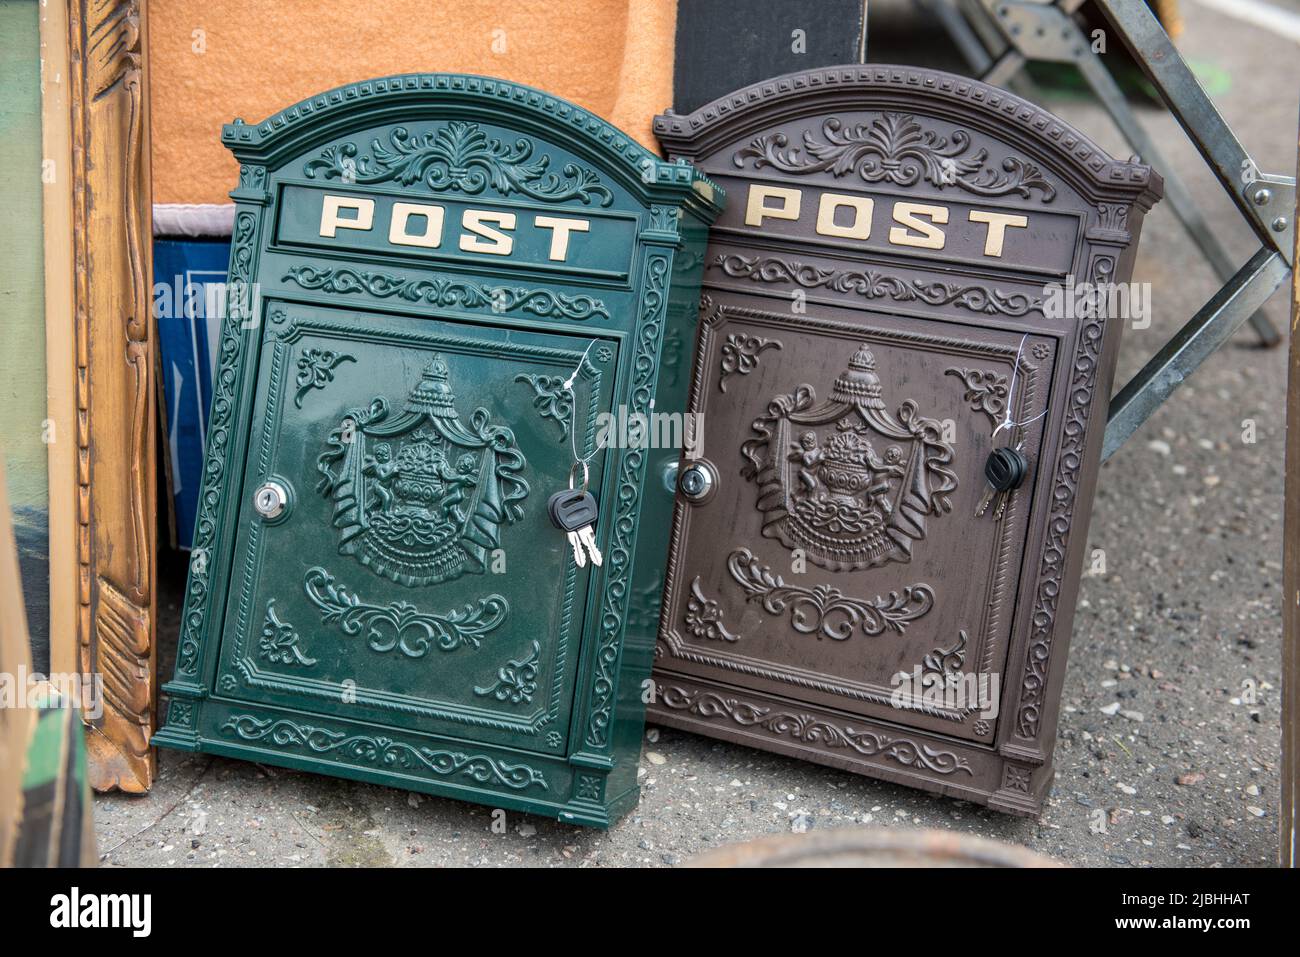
270	499
697	481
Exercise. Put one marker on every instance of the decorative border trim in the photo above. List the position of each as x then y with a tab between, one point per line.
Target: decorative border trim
808	729
102	350
873	284
618	560
447	292
1065	489
230	360
286	734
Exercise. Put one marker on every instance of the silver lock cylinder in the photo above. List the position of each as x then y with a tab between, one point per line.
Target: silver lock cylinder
271	499
698	481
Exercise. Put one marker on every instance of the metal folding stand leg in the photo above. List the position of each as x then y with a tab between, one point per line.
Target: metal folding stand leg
1047	32
1212	326
1265	201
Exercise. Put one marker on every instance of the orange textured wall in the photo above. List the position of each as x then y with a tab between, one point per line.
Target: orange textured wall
613	57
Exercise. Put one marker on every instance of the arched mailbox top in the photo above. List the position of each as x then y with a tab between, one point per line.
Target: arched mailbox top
969	104
406	99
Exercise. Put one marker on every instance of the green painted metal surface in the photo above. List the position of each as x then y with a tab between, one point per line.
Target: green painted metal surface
440	288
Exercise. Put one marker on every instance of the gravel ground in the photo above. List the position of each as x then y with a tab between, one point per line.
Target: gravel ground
1180	632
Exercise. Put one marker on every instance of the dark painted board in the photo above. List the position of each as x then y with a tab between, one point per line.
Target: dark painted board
726	44
188	275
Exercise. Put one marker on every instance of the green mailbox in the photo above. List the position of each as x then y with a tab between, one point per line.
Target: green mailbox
448	296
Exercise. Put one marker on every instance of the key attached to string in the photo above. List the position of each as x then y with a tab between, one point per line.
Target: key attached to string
574	512
1005	470
1007	466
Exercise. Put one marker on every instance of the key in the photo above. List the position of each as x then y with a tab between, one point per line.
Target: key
588	536
1005	469
1003	498
574	512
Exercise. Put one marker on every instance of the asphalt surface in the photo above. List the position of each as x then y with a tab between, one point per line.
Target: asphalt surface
1168	750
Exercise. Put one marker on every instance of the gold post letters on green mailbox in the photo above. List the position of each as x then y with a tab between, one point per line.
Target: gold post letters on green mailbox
440	285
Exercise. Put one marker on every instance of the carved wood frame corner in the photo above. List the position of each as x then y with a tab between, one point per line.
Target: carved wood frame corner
102	374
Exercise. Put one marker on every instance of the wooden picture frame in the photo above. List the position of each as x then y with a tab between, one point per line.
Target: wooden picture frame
101	372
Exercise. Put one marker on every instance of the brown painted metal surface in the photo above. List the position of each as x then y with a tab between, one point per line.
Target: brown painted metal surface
891	282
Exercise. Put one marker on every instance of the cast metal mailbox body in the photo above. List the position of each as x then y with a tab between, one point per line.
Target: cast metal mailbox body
440	288
888	288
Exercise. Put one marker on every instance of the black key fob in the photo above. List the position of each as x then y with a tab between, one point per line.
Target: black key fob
571	509
1006	468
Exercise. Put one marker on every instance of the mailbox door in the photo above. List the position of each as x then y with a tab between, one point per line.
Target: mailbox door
395	562
843	549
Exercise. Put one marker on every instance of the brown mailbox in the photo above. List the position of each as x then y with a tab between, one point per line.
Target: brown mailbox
918	283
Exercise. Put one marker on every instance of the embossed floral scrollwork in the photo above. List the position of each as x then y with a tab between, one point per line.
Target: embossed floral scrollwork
516	680
447	292
382	750
704	616
948	661
986	391
824	610
278	643
895	148
739	355
874	284
316	369
810	729
400	625
551	398
460	157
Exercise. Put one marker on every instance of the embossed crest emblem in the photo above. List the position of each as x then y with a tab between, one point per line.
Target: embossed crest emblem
847	481
419	495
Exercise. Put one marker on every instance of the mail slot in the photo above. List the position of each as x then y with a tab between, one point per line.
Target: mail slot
442	289
904	358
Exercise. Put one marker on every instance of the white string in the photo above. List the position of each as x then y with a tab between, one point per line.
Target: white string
567	385
1007	423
